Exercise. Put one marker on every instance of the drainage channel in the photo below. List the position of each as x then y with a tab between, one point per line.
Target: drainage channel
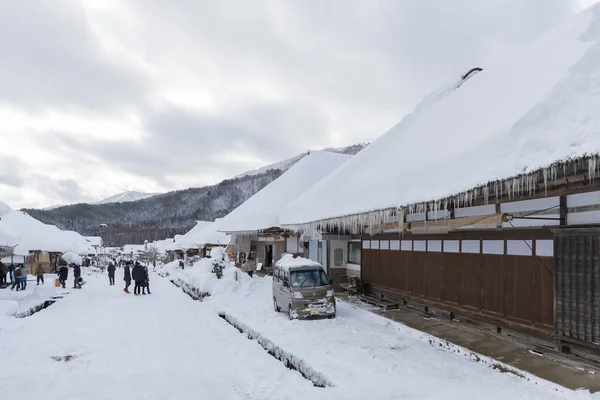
190	290
37	308
288	359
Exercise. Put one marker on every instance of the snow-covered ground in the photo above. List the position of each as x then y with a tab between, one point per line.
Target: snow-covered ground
363	355
100	343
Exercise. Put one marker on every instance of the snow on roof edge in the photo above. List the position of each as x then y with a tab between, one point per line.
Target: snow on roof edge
525	182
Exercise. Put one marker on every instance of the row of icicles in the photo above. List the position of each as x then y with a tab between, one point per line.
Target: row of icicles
525	184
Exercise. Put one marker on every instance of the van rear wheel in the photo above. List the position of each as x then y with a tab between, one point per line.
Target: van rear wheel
275	306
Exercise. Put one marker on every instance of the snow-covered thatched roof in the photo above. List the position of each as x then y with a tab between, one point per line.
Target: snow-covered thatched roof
201	234
262	210
29	234
526	112
94	241
4	208
133	248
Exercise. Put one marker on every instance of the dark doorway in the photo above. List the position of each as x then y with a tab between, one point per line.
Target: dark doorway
268	255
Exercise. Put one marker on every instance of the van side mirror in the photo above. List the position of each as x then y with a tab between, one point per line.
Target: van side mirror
286	283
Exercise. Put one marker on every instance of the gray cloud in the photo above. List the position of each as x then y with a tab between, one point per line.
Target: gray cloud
180	142
284	76
49	58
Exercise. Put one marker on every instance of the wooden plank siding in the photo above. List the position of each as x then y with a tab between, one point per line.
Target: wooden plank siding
577	254
511	287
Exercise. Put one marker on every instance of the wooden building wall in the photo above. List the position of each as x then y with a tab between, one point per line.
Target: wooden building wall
504	276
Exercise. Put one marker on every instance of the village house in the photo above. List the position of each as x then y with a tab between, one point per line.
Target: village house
199	240
484	203
254	226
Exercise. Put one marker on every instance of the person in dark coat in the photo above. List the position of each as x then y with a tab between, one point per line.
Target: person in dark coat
181	264
3	272
76	276
126	277
63	274
111	273
146	283
137	273
11	272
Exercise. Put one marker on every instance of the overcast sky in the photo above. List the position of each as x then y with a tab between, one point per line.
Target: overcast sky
102	96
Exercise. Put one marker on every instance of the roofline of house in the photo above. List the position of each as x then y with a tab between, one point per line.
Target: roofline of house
582	170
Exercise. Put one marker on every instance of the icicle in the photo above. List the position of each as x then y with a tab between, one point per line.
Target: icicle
592	165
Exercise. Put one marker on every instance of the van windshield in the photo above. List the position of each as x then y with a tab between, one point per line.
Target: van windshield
309	278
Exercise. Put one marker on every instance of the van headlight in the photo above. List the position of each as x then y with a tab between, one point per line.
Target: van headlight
297	295
330	293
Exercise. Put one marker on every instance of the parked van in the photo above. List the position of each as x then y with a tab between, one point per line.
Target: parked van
302	289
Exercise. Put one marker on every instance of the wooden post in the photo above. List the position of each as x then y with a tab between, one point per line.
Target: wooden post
563	210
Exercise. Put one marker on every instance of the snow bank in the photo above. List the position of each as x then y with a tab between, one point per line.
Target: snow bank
526	112
200	279
289	261
262	210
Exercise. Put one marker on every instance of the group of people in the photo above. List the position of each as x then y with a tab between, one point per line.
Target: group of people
63	275
18	275
138	272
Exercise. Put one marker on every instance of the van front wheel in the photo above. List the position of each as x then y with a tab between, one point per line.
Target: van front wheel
290	312
275	306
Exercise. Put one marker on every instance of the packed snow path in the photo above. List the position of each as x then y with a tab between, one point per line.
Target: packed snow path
99	343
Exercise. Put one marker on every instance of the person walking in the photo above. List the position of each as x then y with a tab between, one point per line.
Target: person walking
77	276
249	266
146	284
24	273
138	277
17	279
63	274
3	272
11	272
181	264
126	277
111	273
39	273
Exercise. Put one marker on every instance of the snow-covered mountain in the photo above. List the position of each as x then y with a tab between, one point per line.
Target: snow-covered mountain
164	215
288	163
125	197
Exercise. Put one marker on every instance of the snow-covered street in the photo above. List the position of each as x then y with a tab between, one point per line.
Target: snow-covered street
99	343
157	346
